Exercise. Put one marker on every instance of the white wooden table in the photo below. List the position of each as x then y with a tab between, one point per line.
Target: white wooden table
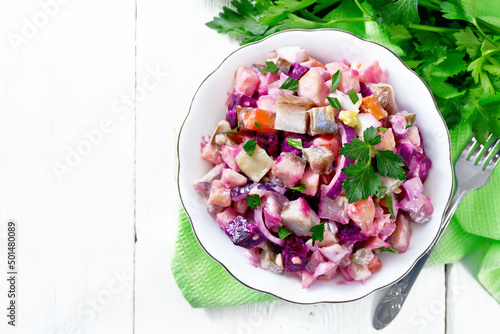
87	174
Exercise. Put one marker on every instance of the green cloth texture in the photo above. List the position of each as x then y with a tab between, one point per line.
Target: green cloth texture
205	283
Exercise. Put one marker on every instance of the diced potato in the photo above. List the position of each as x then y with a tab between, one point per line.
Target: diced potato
294	54
255	166
322	120
289	168
312	86
219	194
246	81
364	122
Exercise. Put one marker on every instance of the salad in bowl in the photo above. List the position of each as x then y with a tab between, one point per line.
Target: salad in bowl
315	169
303	167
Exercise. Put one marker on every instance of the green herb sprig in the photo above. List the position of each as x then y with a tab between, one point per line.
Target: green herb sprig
362	180
453	45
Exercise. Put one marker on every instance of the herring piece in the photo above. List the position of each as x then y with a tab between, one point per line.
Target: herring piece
384	93
291	113
255	166
320	159
287	102
291	121
298	217
322	120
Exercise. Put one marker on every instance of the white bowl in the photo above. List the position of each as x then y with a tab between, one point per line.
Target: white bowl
326	45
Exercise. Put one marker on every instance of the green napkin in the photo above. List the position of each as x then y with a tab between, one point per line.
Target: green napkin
205	283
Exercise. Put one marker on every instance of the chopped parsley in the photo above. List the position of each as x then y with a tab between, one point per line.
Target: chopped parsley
249	146
388	199
295	143
336	81
283	232
299	187
334	102
353	96
254	201
270	68
290	84
390	250
318	233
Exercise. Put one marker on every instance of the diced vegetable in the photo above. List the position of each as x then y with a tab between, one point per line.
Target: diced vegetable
335	210
231	179
293	54
334	188
243	233
371	105
219	194
259	120
226	216
246	81
310	180
313	87
400	239
294	254
255	166
289	168
364	122
362	213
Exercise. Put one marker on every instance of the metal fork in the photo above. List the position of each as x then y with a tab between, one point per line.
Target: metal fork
472	170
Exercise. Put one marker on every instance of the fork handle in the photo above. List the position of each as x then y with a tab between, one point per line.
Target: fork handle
392	302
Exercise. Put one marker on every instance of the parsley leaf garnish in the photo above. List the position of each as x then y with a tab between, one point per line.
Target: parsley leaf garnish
334	102
254	201
249	146
383	130
353	96
295	143
381	191
336	81
299	187
408	126
390	164
362	181
283	232
231	132
290	84
453	45
270	68
318	233
390	250
388	199
257	125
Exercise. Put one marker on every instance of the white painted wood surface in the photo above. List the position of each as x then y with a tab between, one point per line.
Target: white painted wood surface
76	234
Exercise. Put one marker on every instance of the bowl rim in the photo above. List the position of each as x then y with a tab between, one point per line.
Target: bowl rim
448	167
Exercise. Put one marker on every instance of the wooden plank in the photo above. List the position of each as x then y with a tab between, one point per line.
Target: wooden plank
423	312
67	170
180	45
470	308
188	51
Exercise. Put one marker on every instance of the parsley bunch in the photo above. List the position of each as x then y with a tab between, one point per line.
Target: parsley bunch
362	180
454	45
